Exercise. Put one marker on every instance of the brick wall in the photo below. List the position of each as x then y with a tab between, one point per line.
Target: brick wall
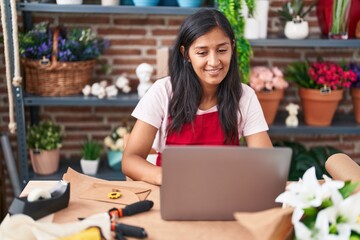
134	39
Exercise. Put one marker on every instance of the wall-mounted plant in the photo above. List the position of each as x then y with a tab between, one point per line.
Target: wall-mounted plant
232	9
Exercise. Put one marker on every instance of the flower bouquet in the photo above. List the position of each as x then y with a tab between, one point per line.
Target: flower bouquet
323	211
269	85
58	62
115	143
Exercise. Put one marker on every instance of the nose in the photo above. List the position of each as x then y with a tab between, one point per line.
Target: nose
213	59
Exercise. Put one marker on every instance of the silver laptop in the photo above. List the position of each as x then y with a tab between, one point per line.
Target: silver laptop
214	182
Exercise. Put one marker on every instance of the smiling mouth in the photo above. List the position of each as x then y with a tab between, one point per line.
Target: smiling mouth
213	71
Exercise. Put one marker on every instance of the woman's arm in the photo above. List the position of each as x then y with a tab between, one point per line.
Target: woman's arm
261	140
134	163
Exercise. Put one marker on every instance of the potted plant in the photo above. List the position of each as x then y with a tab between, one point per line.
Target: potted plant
44	142
355	90
90	152
115	144
293	13
58	57
269	85
321	87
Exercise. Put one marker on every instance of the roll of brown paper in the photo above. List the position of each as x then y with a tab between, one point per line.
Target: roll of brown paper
341	167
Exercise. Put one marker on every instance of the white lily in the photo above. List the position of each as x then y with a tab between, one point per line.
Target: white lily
331	188
305	193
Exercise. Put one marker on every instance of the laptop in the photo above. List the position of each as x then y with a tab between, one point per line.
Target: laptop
213	182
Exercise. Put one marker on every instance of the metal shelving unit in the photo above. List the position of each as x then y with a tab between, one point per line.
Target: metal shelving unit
93	8
309	42
341	124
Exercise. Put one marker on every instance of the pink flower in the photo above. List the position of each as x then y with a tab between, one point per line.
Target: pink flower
264	78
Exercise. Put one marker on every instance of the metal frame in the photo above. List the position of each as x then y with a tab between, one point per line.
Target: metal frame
19	107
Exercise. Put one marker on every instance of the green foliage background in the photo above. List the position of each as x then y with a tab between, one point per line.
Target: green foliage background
232	10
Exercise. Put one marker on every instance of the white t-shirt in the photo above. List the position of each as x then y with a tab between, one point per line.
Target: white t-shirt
153	109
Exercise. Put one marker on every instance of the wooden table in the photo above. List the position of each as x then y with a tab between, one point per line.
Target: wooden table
152	222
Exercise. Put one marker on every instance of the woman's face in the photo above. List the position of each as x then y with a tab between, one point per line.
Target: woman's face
210	57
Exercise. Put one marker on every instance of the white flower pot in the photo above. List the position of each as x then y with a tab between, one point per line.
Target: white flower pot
72	2
110	2
296	30
251	28
89	167
261	16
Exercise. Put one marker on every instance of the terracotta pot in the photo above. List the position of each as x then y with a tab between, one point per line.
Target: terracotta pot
355	94
319	108
45	162
270	102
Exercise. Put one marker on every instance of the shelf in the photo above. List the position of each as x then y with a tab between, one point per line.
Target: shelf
122	100
96	8
104	171
310	42
341	124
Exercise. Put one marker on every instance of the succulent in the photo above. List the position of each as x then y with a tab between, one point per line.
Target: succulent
91	150
294	9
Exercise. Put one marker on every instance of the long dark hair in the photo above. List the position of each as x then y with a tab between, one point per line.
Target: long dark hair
186	87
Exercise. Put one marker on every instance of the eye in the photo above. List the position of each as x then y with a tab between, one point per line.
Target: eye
201	53
222	50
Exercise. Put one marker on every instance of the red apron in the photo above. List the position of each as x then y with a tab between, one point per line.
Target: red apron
206	130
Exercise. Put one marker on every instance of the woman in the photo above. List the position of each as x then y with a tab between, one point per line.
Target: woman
202	102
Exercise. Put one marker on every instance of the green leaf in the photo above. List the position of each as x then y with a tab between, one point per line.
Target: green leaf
348	189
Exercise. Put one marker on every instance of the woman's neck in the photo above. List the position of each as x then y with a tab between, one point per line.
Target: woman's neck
208	99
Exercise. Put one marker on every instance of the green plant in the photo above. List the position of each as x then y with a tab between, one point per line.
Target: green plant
294	9
340	17
232	10
91	150
303	158
297	72
44	136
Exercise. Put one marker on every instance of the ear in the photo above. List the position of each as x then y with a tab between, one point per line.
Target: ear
182	50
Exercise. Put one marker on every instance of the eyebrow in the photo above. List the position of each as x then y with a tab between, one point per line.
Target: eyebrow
219	45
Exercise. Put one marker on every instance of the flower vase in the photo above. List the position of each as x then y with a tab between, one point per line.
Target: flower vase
339	22
355	95
261	16
251	28
319	107
114	159
270	102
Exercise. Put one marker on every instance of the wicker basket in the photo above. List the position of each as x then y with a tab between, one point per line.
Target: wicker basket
53	78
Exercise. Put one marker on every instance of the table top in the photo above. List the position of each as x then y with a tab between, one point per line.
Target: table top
151	221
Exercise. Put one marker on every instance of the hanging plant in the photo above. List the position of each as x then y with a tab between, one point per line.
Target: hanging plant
232	9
